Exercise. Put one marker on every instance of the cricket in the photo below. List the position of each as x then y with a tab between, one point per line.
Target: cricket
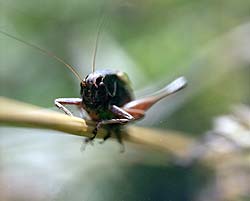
106	95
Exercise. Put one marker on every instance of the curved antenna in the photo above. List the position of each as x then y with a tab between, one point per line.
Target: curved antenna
96	43
50	54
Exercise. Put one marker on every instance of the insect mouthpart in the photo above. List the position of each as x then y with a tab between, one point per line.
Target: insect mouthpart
93	91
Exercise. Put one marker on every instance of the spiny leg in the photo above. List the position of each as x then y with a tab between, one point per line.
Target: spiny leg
104	122
90	139
113	124
123	117
108	122
59	102
117	131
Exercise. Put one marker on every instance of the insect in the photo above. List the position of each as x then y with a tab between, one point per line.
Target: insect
107	97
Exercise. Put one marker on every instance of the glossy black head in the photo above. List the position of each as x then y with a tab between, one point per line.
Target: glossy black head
104	88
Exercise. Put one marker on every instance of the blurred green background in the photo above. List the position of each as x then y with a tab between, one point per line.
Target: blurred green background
154	42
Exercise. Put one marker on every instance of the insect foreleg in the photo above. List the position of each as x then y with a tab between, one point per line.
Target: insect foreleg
59	102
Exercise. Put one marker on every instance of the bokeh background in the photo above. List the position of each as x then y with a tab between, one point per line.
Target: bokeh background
153	42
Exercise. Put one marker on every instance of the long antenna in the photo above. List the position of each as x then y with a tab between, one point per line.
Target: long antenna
96	43
50	54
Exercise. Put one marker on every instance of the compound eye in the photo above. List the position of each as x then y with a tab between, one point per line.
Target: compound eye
98	80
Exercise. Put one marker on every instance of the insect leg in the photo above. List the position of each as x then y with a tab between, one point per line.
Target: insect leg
137	114
123	117
107	136
145	103
110	121
59	102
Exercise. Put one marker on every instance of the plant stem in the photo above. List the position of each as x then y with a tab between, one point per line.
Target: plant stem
15	113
